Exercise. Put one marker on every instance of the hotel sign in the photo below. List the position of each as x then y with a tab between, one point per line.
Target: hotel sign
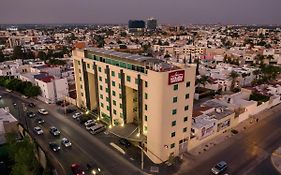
176	77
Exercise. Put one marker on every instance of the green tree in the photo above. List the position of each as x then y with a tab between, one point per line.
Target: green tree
42	56
233	75
2	56
203	80
18	53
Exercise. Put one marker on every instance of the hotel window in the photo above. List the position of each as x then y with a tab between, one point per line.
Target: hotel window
113	83
176	87
107	107
88	66
145	95
145	118
107	99
185	119
79	70
119	86
145	107
120	96
81	86
136	81
114	111
145	83
101	104
119	75
184	129
99	69
174	111
128	78
121	105
114	102
173	134
174	123
172	145
100	78
113	73
186	108
101	87
82	94
106	89
186	96
113	93
175	99
145	128
187	84
80	78
79	63
101	96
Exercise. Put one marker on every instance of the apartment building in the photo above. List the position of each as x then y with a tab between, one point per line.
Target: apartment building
131	90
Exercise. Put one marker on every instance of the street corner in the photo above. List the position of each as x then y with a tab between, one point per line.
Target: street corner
276	159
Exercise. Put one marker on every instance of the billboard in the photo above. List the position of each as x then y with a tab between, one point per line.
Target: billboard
176	77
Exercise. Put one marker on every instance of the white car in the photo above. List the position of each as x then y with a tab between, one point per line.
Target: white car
77	115
65	142
38	130
88	122
43	111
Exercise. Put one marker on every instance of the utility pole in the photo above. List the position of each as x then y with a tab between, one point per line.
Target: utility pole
142	162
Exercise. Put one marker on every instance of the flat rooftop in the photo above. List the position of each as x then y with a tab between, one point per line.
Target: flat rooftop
148	62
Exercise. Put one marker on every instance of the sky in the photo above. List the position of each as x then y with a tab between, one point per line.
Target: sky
120	11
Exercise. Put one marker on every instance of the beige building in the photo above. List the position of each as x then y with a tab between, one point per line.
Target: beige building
151	98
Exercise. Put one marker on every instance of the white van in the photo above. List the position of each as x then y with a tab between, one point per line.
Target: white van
97	129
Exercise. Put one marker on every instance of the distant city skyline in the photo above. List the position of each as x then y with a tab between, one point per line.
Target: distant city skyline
166	11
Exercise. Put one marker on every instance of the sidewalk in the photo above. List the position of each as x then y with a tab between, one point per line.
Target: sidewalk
276	159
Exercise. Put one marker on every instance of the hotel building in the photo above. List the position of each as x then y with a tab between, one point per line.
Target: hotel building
143	99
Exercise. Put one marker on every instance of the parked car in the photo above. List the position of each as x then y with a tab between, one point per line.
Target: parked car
77	115
54	131
219	167
38	130
32	105
89	126
40	121
77	169
43	111
54	146
97	129
124	142
30	114
65	142
88	122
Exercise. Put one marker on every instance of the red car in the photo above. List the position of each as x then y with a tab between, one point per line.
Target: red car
76	169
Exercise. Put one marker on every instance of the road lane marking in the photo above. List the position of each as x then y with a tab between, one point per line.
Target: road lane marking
117	147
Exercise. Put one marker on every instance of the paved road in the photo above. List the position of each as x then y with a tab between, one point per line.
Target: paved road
246	153
86	147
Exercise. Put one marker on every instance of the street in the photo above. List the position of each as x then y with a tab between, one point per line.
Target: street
86	149
246	153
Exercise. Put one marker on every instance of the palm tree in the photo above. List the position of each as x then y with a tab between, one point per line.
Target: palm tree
203	80
233	75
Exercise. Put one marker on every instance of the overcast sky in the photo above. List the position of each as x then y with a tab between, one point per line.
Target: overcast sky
120	11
